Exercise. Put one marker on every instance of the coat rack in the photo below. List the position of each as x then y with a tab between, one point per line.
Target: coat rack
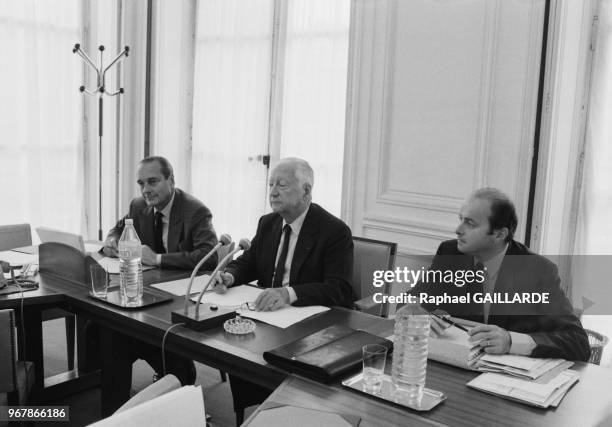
100	91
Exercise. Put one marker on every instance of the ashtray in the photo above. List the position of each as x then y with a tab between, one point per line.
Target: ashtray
239	326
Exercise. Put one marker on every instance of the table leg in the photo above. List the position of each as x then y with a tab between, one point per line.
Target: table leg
116	370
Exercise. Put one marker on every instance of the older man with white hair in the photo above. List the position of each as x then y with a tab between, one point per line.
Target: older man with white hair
300	252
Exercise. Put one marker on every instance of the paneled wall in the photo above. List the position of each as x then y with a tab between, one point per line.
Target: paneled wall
442	100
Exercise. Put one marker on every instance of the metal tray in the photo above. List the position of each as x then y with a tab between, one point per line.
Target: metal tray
149	297
431	398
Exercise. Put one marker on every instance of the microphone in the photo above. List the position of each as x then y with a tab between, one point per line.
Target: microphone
243	245
225	239
213	315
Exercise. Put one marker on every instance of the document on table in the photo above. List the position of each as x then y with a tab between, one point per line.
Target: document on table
179	287
183	407
282	318
111	265
530	392
234	297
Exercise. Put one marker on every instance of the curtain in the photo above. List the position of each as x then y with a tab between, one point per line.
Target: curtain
592	248
314	92
41	171
231	111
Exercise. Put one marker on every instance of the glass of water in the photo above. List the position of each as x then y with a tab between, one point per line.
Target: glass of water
374	357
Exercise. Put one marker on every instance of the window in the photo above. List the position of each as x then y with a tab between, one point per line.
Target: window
40	113
270	78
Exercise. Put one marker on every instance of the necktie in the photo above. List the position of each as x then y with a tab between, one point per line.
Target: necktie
158	233
279	271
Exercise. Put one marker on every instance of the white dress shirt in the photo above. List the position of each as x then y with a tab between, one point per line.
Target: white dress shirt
296	227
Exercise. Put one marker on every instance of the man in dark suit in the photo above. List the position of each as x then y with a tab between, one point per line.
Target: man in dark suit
176	231
300	252
485	248
174	227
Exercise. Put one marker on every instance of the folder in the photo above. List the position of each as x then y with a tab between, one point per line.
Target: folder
326	354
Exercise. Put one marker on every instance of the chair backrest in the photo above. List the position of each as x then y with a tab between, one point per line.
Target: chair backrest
15	236
370	255
8	378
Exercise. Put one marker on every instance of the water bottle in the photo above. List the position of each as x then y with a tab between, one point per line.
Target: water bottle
130	267
410	354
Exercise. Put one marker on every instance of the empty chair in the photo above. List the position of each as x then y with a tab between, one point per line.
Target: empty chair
370	255
19	235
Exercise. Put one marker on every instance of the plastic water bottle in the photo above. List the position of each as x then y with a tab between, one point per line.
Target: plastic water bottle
410	354
130	267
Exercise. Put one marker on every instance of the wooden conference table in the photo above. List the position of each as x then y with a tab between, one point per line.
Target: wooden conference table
585	404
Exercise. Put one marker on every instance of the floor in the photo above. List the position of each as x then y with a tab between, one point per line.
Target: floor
85	407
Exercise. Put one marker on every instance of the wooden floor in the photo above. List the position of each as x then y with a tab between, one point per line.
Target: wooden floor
85	407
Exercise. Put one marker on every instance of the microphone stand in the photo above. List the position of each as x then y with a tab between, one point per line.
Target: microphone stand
213	315
100	90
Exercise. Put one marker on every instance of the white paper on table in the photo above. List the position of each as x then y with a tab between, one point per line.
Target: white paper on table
111	265
183	407
234	297
179	287
284	317
93	247
17	259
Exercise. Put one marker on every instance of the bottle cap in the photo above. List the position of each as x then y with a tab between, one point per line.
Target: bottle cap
129	221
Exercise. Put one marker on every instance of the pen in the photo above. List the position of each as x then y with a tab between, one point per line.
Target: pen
450	322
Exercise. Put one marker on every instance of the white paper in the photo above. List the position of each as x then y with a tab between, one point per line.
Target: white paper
234	297
183	407
284	317
93	247
17	259
297	417
111	265
528	391
179	287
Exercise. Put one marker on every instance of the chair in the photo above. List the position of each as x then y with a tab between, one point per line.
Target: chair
16	236
16	377
370	255
597	342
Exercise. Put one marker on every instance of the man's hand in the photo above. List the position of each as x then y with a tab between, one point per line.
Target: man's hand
222	282
491	338
110	248
272	299
438	327
148	256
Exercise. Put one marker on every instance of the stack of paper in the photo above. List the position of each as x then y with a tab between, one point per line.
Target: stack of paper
530	392
521	366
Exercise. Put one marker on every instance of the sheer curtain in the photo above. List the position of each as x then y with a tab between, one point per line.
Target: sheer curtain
314	92
590	266
41	171
231	111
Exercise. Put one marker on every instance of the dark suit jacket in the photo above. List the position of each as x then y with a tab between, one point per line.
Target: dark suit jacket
322	263
555	329
190	231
